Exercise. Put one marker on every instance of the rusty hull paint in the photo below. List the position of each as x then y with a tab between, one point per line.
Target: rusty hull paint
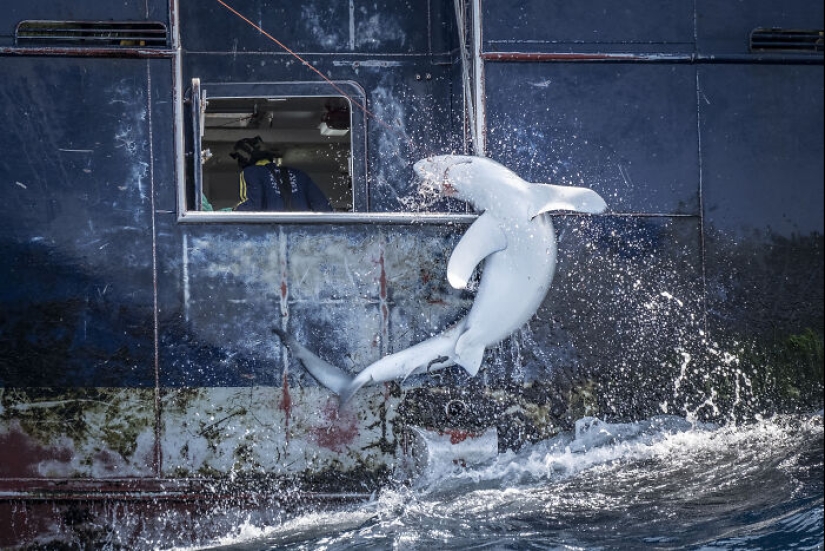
77	464
69	433
219	433
353	296
251	432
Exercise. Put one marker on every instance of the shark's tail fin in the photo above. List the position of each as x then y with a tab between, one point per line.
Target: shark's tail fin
346	394
335	379
433	353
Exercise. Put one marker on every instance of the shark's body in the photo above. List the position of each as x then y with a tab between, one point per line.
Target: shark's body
515	239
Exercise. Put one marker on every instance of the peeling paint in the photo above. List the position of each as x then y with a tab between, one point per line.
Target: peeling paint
338	429
100	433
87	288
237	432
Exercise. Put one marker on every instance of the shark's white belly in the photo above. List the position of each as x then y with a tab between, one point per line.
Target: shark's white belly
514	238
514	283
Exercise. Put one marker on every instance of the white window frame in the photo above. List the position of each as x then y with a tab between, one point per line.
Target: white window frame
188	204
189	170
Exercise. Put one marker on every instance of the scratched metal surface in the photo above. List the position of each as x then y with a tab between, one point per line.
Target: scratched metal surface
133	347
406	71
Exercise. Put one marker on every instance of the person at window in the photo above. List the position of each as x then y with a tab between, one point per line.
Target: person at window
265	186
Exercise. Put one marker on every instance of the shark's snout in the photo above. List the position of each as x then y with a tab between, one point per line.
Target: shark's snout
435	173
432	176
424	169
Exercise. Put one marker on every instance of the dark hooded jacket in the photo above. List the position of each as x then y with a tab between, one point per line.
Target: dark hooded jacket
263	188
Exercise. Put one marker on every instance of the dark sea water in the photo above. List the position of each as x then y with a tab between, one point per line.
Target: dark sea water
664	483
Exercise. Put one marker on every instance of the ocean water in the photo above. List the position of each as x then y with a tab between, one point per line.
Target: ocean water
663	483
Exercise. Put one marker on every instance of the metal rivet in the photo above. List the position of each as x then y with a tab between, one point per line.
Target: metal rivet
455	408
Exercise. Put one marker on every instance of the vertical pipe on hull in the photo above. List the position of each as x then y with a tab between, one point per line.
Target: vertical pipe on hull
479	132
466	82
158	455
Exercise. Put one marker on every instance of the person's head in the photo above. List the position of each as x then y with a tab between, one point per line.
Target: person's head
249	151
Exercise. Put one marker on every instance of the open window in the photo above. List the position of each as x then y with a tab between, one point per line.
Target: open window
310	127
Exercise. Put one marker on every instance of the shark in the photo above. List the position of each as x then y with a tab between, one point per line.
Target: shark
513	238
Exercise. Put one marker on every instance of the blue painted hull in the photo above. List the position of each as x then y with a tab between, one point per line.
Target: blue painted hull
136	353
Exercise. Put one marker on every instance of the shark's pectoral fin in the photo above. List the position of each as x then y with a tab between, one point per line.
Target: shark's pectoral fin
482	238
549	197
469	355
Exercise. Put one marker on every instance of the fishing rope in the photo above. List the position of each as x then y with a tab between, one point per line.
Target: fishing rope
318	72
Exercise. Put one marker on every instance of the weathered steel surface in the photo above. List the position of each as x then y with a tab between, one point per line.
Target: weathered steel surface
292	434
76	235
641	159
136	356
68	433
147	515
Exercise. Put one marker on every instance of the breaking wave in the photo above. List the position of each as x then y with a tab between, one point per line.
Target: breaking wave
663	483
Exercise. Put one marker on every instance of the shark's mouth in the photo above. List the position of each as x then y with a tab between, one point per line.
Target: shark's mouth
433	186
434	182
428	193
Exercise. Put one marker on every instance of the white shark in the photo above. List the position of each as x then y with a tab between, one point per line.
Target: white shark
515	239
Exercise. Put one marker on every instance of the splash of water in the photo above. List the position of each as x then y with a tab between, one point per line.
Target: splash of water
427	194
663	483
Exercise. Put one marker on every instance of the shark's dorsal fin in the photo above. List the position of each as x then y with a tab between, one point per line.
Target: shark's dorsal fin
549	197
481	239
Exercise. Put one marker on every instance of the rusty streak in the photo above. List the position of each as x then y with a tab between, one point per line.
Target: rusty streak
562	56
383	293
539	57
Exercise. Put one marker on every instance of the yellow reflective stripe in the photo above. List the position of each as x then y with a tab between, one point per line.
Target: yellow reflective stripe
242	191
242	186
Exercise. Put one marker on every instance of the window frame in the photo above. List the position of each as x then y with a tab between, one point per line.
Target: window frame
189	125
189	205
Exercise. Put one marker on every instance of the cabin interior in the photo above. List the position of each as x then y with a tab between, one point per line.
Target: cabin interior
310	133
